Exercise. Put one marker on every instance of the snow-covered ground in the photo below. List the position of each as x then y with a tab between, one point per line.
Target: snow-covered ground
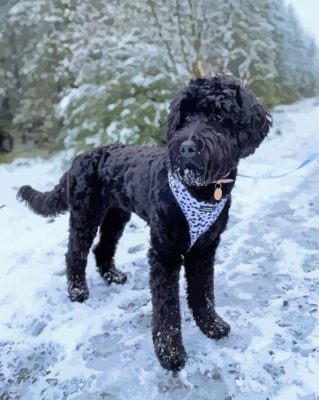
267	285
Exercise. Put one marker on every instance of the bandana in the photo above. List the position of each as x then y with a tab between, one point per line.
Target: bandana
200	215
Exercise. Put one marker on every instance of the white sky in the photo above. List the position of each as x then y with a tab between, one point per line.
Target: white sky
308	13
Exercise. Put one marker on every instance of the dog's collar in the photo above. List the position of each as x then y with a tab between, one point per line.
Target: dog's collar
224	180
200	215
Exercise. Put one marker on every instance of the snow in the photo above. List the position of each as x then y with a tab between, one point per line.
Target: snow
267	281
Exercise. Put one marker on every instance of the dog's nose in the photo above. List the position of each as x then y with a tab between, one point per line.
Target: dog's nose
188	148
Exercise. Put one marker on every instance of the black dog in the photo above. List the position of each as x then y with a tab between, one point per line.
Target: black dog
212	124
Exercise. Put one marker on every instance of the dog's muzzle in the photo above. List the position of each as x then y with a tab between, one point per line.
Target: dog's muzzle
189	148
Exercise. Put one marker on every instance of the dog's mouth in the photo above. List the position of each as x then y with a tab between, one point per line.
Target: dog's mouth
190	176
193	175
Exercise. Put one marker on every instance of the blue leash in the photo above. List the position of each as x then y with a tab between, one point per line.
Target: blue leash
311	157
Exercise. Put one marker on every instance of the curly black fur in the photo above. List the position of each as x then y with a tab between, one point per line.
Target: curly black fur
212	123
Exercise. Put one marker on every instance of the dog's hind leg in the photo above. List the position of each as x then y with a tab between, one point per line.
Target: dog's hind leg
83	229
111	230
199	269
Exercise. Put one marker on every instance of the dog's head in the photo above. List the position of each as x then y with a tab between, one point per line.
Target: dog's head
213	123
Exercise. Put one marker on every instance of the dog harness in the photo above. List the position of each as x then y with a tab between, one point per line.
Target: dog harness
200	215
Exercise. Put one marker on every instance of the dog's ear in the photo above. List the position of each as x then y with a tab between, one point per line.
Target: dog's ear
255	122
177	115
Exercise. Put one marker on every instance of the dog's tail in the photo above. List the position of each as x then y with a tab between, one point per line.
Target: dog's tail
47	204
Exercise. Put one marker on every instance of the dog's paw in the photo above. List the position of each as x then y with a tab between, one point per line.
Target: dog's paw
171	357
79	292
114	275
216	328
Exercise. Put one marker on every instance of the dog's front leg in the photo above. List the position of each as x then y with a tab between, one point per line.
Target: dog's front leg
199	269
166	320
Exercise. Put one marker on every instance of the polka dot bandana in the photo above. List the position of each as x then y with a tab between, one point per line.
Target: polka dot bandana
200	215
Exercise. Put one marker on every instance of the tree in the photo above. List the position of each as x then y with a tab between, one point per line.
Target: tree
85	73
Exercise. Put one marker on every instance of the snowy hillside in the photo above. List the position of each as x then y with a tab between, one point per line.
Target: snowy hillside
267	285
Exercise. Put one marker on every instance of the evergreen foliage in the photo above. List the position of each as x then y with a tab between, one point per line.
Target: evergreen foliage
80	74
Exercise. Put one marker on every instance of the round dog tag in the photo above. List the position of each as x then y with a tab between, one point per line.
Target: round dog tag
218	193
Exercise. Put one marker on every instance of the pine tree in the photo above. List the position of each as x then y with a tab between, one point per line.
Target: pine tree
32	33
86	73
